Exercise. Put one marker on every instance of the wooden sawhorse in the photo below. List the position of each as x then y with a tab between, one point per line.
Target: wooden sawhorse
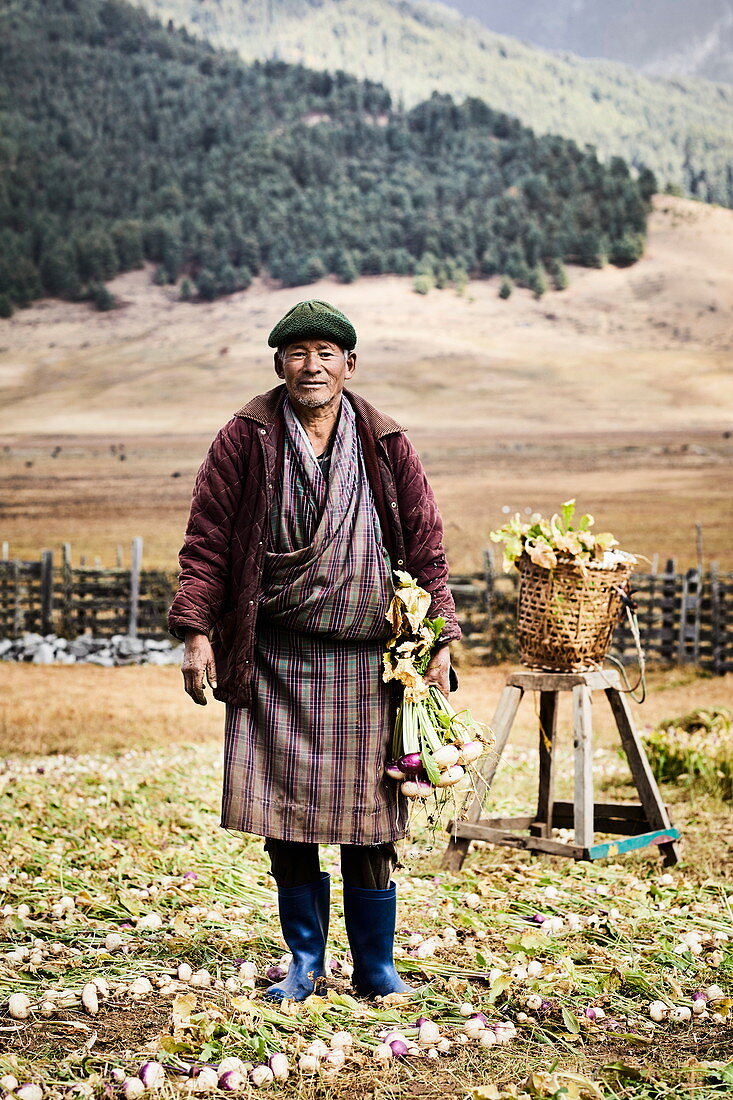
644	823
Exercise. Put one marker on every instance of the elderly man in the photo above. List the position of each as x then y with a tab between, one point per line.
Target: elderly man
307	499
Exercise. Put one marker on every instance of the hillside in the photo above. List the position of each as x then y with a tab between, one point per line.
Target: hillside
125	141
681	129
617	390
620	348
657	37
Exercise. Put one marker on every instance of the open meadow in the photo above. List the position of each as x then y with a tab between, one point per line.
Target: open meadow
137	929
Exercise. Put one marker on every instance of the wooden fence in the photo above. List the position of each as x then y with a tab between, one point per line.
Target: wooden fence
45	598
683	617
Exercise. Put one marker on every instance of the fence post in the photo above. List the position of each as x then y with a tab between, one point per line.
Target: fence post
689	632
726	588
716	632
46	592
669	593
648	630
137	556
489	583
17	606
67	586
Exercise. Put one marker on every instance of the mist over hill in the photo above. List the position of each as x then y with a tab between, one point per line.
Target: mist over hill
124	141
681	129
658	37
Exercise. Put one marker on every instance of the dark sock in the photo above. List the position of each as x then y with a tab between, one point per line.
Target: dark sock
293	863
368	866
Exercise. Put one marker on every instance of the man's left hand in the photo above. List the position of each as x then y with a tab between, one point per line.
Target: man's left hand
438	671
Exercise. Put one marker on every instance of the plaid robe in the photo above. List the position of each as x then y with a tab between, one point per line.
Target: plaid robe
306	761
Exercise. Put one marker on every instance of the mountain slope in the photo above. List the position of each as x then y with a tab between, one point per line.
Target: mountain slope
123	140
683	130
507	401
657	37
643	348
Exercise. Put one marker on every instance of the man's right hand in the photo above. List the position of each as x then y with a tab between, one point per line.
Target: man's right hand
198	660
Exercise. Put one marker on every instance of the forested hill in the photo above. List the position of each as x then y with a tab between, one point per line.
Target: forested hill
120	139
682	129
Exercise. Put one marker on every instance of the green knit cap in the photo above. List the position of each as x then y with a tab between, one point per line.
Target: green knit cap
311	319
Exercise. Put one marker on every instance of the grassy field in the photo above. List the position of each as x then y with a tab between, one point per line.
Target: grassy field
110	801
649	489
90	709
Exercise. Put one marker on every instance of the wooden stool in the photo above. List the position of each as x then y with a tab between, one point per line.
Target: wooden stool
644	823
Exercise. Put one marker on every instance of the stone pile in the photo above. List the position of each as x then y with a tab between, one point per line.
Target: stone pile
120	649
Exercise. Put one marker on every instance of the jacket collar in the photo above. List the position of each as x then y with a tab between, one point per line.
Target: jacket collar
265	408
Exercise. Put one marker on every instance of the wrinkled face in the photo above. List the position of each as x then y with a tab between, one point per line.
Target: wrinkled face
314	371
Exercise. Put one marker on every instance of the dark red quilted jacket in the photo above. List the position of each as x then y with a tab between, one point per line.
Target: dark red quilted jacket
223	551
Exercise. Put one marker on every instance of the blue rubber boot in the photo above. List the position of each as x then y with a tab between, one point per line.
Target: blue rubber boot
370	917
304	921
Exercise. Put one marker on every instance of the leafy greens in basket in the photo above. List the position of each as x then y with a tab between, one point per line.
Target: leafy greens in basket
547	541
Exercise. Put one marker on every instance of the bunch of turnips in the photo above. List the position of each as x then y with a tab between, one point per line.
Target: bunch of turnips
434	746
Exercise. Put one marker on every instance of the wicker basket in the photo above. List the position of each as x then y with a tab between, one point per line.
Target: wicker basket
566	616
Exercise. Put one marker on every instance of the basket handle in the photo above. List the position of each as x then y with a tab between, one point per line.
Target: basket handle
630	607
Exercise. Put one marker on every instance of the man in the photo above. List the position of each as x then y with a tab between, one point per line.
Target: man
307	500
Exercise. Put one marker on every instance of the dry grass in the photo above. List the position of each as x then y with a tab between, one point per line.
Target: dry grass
83	708
648	489
78	709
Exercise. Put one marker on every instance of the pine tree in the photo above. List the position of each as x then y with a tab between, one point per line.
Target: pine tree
226	279
647	184
516	266
24	283
96	256
400	262
423	283
559	275
344	266
627	250
58	271
490	261
102	297
206	285
592	249
128	241
537	281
